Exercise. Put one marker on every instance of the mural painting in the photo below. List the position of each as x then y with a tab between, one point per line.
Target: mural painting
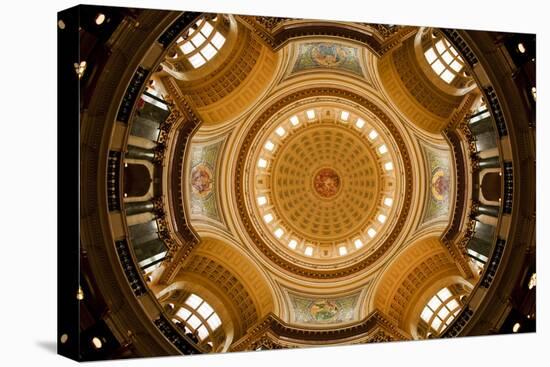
329	56
439	165
323	310
202	180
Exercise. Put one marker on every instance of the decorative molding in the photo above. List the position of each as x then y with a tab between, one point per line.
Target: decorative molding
240	177
274	333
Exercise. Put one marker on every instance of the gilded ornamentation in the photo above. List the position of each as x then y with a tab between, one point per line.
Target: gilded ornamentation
329	56
326	182
240	195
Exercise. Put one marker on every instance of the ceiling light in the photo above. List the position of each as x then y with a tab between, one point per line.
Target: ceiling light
269	145
342	250
262	163
381	218
100	18
294	120
358	243
280	131
96	342
292	244
61	24
310	114
516	327
532	281
388	201
388	166
360	123
79	294
308	251
383	149
63	339
521	48
262	200
344	115
80	68
371	232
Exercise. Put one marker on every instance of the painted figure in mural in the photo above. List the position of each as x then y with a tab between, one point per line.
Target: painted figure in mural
201	180
440	184
326	182
328	55
323	310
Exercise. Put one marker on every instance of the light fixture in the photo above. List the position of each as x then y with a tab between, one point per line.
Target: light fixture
292	244
97	343
310	114
388	166
80	68
388	201
360	123
358	243
262	163
294	120
516	327
532	281
269	145
61	24
521	48
63	339
79	294
100	18
383	149
308	251
371	232
262	200
381	218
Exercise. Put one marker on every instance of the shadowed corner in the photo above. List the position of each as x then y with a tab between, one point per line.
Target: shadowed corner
49	346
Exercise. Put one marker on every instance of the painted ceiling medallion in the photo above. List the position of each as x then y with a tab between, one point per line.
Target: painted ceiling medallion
327	183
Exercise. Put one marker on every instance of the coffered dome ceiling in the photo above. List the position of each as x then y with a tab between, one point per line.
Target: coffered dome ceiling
325	179
322	182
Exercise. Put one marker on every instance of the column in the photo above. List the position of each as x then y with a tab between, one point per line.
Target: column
140	153
139	207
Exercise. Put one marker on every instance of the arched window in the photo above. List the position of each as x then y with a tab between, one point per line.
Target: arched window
199	318
444	59
202	42
440	311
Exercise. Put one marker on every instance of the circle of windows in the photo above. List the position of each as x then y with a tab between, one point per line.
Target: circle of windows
262	199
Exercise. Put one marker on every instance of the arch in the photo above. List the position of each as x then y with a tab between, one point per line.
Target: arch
233	281
491	186
420	265
408	86
137	180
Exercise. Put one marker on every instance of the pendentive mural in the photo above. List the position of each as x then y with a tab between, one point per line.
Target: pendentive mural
439	168
202	180
323	310
327	55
